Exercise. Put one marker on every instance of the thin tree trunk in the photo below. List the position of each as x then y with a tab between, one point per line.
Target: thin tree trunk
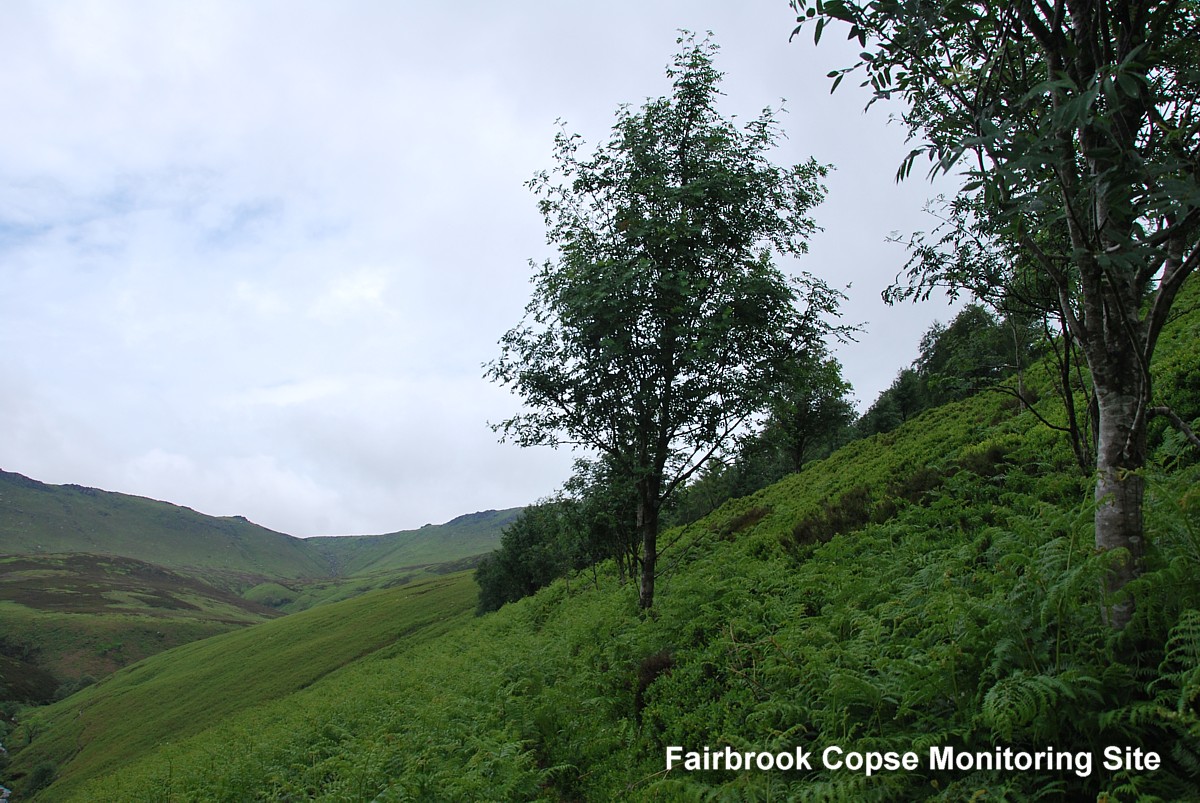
647	521
1120	489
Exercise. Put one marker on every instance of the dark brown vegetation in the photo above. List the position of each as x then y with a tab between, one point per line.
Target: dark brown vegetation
77	583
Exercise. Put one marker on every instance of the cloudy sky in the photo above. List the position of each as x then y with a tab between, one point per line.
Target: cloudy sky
253	254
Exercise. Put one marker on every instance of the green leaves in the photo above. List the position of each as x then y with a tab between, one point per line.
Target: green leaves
663	325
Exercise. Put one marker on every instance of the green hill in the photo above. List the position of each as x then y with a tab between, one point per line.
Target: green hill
932	591
36	518
40	519
187	690
91	580
67	618
932	587
462	537
362	563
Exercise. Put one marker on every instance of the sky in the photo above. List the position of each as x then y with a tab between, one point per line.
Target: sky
253	254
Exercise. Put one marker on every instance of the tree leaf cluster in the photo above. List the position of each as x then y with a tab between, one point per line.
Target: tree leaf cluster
663	326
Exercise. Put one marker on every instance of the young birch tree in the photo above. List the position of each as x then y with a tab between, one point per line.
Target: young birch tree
1077	125
663	324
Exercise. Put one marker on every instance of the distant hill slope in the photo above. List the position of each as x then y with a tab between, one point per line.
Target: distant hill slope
39	519
92	580
197	686
36	518
472	534
67	617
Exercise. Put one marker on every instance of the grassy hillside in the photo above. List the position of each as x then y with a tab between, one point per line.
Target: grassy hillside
67	617
40	519
472	534
91	581
176	694
36	518
934	587
362	563
288	597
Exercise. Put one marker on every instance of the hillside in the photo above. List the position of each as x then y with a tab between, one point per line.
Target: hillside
36	518
67	618
931	587
231	552
464	536
198	686
92	580
927	591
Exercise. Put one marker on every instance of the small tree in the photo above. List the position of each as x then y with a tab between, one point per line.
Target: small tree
663	325
812	409
969	251
535	549
605	516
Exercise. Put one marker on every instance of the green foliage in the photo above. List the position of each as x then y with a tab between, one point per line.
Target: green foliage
956	601
901	401
71	686
70	615
1070	125
810	416
973	353
591	520
535	549
663	326
103	606
200	685
893	636
603	515
41	777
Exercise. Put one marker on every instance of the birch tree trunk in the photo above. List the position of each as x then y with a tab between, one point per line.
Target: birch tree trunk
1120	488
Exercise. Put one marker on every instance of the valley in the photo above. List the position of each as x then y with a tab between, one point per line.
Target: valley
91	580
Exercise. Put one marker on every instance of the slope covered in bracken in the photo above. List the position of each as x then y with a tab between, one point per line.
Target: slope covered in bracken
934	587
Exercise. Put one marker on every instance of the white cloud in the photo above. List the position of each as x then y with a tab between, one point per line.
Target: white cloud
352	293
251	485
289	394
252	256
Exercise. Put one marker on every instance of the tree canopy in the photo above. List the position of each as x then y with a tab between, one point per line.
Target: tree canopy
664	325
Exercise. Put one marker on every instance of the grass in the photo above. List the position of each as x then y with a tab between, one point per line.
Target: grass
91	581
182	692
959	618
231	553
39	519
74	616
462	537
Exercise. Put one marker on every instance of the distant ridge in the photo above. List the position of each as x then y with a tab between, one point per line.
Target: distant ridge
37	518
461	537
92	580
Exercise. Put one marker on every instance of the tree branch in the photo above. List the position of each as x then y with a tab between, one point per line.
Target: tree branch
1179	423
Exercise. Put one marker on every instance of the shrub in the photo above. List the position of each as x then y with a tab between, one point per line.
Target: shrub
42	776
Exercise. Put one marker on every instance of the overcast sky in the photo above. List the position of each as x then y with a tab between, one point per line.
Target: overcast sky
253	254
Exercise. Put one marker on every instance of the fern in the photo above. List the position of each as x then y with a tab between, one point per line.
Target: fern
1019	702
